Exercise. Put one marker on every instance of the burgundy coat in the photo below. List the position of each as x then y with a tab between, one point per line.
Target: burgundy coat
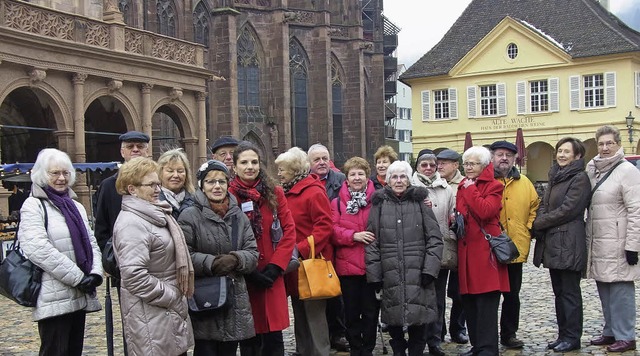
269	306
479	271
311	213
349	255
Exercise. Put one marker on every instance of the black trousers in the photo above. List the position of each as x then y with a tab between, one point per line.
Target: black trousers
482	321
456	317
267	344
62	335
415	345
434	330
510	317
361	314
335	317
568	301
214	348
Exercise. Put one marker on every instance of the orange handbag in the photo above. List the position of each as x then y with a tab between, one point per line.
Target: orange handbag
316	277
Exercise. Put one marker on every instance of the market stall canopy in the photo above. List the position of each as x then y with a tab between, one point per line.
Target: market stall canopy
14	172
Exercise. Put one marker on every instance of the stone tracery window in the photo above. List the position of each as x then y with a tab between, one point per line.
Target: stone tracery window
298	68
201	24
125	7
166	17
337	97
248	76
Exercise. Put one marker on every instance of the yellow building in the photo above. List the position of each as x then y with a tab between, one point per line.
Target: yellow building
554	68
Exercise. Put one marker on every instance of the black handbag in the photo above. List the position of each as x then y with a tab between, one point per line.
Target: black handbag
21	279
215	292
502	247
276	236
109	260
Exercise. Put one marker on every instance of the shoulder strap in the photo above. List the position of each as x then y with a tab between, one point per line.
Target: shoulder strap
605	177
46	215
339	210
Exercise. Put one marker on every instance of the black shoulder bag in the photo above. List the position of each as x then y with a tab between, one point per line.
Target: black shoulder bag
502	247
21	279
276	236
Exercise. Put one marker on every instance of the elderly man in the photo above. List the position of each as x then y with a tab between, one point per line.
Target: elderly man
519	205
222	150
320	165
449	169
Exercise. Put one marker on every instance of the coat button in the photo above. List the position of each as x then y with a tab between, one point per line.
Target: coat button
399	221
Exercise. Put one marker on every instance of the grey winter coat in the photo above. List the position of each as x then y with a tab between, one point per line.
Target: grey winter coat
52	250
408	244
208	235
333	182
154	311
561	241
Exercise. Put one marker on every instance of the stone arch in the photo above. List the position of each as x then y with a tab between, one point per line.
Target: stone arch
299	90
131	116
62	112
252	88
540	156
180	116
173	10
591	149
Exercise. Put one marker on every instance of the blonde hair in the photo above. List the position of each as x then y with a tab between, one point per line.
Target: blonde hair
386	151
294	159
177	155
132	172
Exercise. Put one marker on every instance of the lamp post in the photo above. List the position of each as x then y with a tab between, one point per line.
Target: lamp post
630	126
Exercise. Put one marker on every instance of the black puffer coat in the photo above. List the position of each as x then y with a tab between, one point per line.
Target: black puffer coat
559	226
408	244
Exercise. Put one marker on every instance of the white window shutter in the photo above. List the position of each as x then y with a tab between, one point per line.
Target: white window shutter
502	99
637	76
574	92
453	103
521	94
554	94
426	104
610	88
471	101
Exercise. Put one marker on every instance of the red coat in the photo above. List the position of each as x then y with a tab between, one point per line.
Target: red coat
349	255
270	306
478	271
311	213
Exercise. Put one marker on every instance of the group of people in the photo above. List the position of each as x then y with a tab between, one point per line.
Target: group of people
402	239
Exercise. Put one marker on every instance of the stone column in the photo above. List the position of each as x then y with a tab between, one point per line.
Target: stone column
202	128
78	117
191	149
146	112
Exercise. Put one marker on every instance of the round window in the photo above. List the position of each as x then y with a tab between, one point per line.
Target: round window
512	50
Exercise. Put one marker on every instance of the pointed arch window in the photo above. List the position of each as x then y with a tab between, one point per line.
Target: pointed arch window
166	18
337	98
248	73
298	68
201	24
125	7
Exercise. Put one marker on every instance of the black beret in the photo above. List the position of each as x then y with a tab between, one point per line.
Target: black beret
211	165
448	155
134	136
224	141
424	152
504	144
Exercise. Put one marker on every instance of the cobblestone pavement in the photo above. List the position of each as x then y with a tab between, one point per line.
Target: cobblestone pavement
537	324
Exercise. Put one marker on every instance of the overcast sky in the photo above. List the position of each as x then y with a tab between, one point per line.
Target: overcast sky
423	24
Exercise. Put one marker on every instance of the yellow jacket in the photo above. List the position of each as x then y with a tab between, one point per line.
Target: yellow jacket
519	206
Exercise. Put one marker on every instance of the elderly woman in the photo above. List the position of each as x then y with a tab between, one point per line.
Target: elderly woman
613	237
404	259
221	243
54	234
312	216
561	239
263	202
442	202
482	278
350	214
384	156
175	177
155	268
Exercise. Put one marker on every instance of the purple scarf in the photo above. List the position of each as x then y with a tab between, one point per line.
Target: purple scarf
78	231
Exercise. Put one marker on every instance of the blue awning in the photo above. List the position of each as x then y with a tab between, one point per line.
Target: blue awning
83	167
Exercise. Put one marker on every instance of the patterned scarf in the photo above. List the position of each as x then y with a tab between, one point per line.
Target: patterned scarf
287	186
77	229
250	193
599	166
174	199
428	182
358	200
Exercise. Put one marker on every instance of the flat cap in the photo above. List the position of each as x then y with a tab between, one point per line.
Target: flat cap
134	136
224	141
448	155
504	144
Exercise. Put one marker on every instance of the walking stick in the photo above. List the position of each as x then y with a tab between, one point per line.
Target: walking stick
108	310
384	347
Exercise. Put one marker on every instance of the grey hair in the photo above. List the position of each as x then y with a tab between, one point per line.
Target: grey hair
48	158
609	130
317	147
399	166
427	157
481	153
294	159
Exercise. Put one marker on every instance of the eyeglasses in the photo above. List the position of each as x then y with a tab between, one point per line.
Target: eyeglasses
425	165
224	154
608	144
56	174
152	185
220	182
399	177
471	164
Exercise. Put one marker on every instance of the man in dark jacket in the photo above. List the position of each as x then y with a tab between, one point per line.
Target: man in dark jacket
319	159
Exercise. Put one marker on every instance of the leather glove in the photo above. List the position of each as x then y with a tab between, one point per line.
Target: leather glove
223	264
89	283
426	279
272	272
632	257
259	280
377	286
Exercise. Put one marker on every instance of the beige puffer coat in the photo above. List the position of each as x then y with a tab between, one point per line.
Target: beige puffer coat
613	225
154	311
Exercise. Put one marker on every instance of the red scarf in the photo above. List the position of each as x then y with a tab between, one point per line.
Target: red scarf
250	193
